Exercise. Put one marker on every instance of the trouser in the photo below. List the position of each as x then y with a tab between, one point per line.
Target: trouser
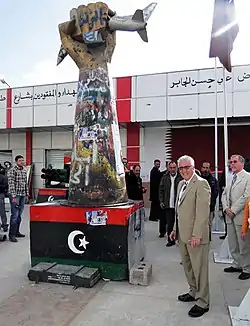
196	263
155	210
211	218
16	215
170	218
239	249
224	219
2	210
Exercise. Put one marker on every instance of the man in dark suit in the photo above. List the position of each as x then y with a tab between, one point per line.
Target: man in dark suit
155	179
167	197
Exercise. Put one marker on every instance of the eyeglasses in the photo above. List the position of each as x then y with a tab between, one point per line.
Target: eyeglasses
231	162
184	167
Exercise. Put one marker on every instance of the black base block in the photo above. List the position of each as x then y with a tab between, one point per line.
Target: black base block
78	276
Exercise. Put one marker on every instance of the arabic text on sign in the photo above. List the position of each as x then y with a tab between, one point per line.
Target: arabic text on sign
188	81
43	96
2	98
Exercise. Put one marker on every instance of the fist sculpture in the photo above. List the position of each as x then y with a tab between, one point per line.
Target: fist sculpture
86	37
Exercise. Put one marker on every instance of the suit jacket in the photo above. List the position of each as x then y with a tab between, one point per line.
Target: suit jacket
192	213
239	195
165	188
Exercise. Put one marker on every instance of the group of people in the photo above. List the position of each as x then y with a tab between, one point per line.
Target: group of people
13	186
163	192
183	199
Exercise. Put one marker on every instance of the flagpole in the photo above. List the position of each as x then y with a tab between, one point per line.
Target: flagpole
225	125
216	120
216	141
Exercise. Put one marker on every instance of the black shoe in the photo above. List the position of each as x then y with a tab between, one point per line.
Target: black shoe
186	298
170	244
223	237
5	227
197	311
244	276
232	270
13	239
20	235
161	235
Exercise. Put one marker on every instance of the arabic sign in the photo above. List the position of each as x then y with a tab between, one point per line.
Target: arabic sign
44	95
204	81
3	99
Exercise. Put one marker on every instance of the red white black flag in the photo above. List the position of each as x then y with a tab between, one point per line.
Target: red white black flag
224	32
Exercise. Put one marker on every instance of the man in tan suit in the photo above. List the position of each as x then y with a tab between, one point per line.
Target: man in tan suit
233	199
192	231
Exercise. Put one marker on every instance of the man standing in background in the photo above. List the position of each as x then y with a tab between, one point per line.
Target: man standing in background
214	185
167	197
155	179
3	193
234	199
18	190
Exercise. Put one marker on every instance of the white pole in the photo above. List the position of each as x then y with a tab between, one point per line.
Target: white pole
225	125
216	120
216	224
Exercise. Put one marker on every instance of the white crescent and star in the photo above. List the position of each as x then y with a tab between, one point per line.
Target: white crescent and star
83	242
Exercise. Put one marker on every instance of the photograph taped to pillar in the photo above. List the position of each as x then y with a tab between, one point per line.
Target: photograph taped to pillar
97	218
97	172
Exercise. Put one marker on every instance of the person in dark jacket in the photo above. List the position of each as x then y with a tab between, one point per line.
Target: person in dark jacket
155	179
214	185
3	193
134	186
167	198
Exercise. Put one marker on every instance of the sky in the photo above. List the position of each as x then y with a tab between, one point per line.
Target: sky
179	38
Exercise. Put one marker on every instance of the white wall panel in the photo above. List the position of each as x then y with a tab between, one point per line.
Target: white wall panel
241	78
151	85
17	141
65	114
2	118
22	97
41	140
4	142
66	93
206	81
61	140
113	88
22	117
183	82
44	115
207	105
3	98
241	104
183	107
45	95
151	109
154	148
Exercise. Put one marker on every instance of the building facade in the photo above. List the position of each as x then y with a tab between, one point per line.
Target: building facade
161	116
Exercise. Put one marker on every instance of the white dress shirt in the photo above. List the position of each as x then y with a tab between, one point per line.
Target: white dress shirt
171	198
184	187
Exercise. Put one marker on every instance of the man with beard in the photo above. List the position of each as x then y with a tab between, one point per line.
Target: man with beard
214	185
155	179
135	189
167	197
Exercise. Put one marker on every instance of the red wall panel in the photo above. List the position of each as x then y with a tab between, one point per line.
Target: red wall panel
198	142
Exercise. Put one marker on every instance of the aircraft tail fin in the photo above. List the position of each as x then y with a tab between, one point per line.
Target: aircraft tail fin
138	16
147	12
143	34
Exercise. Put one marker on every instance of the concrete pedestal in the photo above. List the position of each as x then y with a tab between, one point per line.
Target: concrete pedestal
108	238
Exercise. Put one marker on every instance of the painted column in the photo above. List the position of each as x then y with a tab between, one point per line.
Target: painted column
97	173
28	147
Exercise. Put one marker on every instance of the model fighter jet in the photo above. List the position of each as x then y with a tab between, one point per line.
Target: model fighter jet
134	23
